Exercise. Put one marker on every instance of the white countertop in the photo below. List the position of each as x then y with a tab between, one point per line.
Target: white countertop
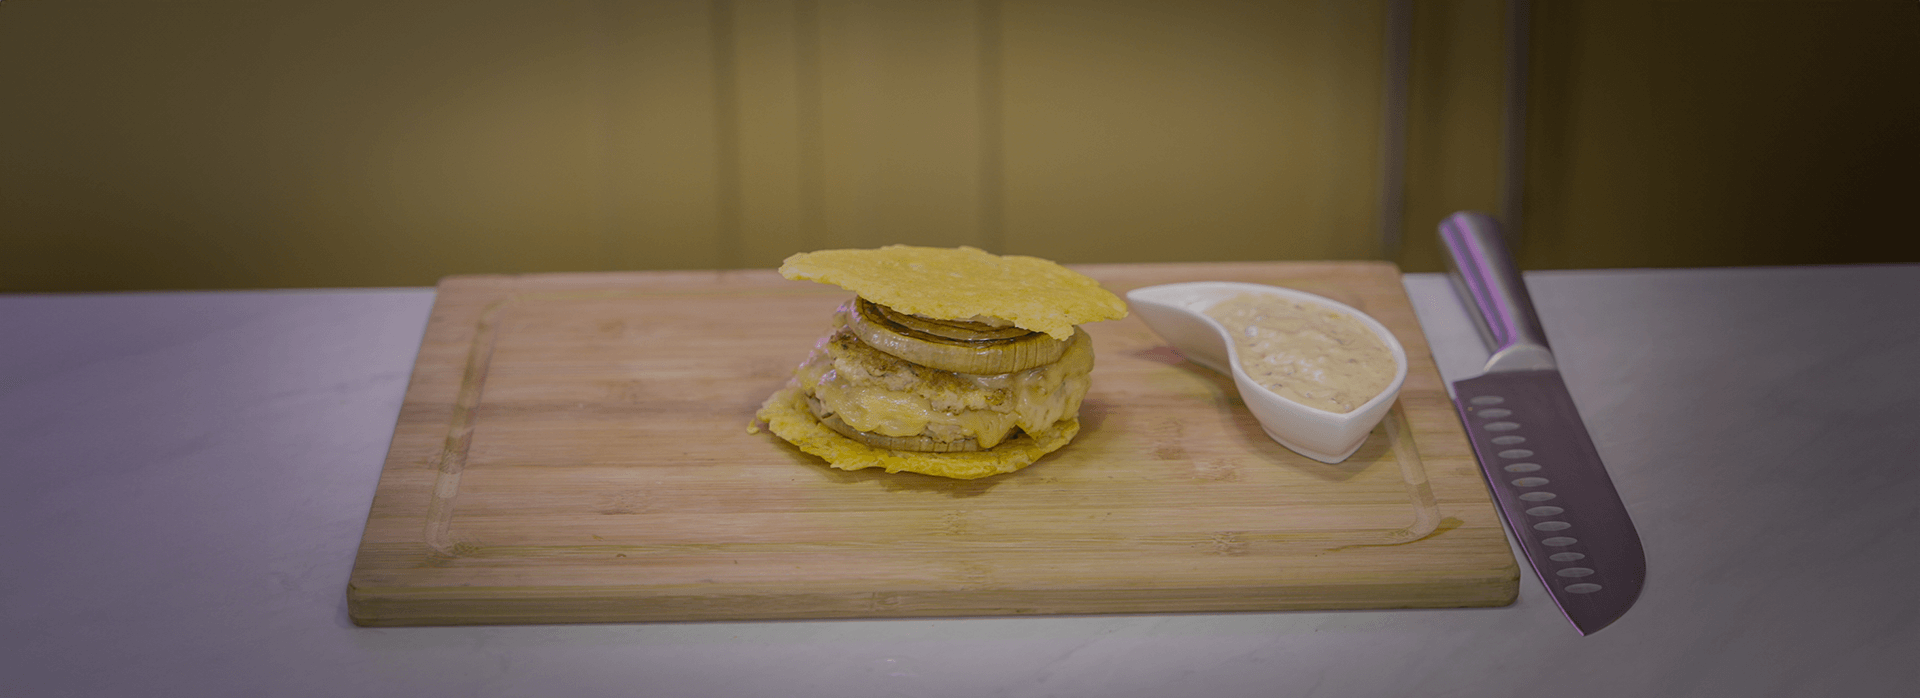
184	478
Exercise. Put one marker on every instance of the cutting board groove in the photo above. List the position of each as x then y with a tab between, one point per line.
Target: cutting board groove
575	448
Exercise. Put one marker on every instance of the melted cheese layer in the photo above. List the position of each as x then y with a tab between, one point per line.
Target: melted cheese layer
876	392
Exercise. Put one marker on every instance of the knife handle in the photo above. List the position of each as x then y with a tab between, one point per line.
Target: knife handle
1484	274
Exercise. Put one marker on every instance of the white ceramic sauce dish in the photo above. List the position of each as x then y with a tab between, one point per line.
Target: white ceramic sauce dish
1178	313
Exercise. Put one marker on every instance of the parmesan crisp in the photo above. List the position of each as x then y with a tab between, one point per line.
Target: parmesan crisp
964	283
787	417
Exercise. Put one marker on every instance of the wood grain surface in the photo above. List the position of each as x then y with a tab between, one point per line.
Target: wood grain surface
575	448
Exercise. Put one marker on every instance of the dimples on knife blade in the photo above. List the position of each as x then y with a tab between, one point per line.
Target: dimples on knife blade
1554	493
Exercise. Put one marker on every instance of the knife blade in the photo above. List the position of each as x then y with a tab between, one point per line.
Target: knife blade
1541	465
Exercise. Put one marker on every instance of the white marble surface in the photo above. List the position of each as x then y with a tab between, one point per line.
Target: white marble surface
184	477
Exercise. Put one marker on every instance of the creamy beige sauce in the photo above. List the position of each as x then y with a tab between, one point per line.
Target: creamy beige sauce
1306	353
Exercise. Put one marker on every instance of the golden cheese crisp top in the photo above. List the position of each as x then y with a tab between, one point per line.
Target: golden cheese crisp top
964	283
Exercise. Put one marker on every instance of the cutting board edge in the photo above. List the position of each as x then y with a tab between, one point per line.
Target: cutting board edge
395	607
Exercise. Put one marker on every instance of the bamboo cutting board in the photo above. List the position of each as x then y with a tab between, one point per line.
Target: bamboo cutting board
575	448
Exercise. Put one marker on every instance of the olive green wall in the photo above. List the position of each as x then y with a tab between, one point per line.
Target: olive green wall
245	144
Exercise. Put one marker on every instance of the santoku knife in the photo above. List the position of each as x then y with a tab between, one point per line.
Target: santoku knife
1541	465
